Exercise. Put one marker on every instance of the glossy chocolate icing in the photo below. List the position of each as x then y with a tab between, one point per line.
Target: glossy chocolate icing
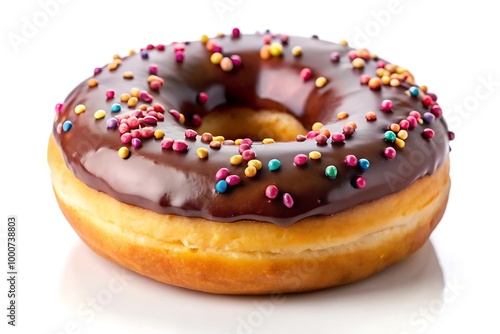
180	183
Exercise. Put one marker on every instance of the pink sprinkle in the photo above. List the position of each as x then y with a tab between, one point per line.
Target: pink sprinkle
364	78
415	114
386	105
159	108
236	32
267	39
272	192
155	84
236	60
248	155
287	200
312	134
243	147
427	100
334	56
348	130
153	68
284	39
159	116
160	47
390	152
180	145
147	132
122	128
381	64
412	121
247	141
221	174
196	120
351	160
321	139
217	48
136	142
59	128
179	47
175	114
353	54
150	120
300	138
167	143
300	159
150	47
179	57
202	98
97	70
338	137
132	122
126	137
190	134
428	133
305	74
404	124
436	110
136	133
360	182
59	108
110	93
145	96
233	180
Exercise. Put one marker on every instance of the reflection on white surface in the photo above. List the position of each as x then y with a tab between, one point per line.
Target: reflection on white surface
104	297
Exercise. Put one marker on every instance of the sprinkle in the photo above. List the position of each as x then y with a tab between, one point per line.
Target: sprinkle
236	33
394	127
364	79
402	134
267	39
320	82
113	66
385	79
59	128
206	137
343	42
334	56
271	191
136	142
123	152
276	49
148	132
99	114
428	133
429	117
374	83
338	137
371	116
123	127
389	136
112	123
216	58
331	171
390	152
325	131
268	141
427	100
250	171
126	137
248	155
284	39
59	108
97	70
66	126
218	138
204	39
386	105
404	124
351	160
215	144
128	75
226	64
221	186
124	97
236	60
179	56
233	180
358	63
300	138
363	163
274	164
394	82
305	73
202	98
317	126
110	94
153	69
412	122
167	143
342	115
116	107
210	44
300	159
190	134
297	51
314	155
321	139
159	134
436	110
451	135
80	108
228	142
287	200
179	145
348	130
265	53
255	163
92	82
134	92
236	159
132	102
413	90
415	114
360	182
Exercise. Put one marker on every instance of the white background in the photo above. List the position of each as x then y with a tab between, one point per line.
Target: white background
451	285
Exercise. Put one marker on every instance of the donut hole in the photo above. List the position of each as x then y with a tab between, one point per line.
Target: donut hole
257	125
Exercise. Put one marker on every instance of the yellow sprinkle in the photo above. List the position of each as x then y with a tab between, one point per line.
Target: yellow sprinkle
131	52
116	56
403	134
358	63
128	75
135	92
380	72
202	153
314	155
343	42
236	159
124	97
132	102
342	115
276	49
80	108
267	141
385	80
182	118
92	82
238	141
373	56
394	82
123	152
113	66
297	51
99	114
219	35
152	78
220	139
216	58
399	142
317	126
265	53
250	171
204	39
400	70
159	134
320	82
255	163
420	121
390	67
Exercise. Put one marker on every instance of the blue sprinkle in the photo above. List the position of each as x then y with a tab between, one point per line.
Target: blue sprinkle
116	107
144	54
67	126
274	164
221	186
364	164
413	90
429	117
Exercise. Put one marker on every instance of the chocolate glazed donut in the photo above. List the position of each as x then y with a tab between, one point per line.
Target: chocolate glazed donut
135	131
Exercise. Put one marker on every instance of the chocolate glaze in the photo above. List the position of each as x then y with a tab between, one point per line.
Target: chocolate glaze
171	182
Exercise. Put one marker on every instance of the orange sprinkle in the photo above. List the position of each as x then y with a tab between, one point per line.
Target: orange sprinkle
342	115
92	82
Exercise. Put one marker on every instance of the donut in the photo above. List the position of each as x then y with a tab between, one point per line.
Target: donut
251	163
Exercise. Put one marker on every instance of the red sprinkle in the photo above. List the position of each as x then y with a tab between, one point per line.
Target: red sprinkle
428	133
202	98
158	108
427	100
196	120
415	114
305	74
436	110
312	134
236	32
